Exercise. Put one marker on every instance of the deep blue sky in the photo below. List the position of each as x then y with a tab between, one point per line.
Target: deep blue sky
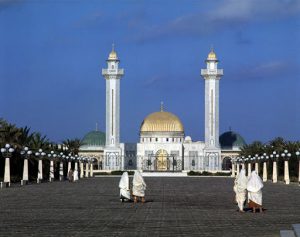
52	52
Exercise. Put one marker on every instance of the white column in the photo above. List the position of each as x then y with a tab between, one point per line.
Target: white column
51	175
299	172
265	174
243	165
286	172
76	166
40	171
256	168
7	171
81	170
274	178
237	169
92	170
86	169
69	166
61	170
233	170
25	171
249	169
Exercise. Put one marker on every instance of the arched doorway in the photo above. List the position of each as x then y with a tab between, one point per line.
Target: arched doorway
162	160
226	164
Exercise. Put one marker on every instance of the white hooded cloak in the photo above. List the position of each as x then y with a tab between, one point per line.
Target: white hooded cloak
254	187
124	186
240	188
138	185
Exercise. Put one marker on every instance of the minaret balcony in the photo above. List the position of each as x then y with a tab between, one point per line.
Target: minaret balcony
112	71
218	72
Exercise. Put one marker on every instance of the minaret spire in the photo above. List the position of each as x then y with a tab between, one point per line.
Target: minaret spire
212	75
96	127
161	106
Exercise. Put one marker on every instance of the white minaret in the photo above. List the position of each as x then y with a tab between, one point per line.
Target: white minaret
112	75
212	76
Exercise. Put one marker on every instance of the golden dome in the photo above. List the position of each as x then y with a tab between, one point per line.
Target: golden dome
162	122
113	54
212	55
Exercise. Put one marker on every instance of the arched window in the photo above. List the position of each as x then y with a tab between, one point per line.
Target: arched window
226	164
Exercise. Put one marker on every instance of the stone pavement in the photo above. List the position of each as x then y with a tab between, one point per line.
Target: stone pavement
186	206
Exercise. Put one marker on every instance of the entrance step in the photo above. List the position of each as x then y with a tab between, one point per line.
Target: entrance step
287	233
296	228
164	174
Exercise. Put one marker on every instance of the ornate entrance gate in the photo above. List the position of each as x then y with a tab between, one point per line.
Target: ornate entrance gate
161	161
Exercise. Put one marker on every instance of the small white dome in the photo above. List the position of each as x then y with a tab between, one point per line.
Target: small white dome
188	139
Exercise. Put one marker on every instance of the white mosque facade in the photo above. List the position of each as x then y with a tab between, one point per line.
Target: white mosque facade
163	145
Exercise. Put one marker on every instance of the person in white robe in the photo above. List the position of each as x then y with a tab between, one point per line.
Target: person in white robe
138	186
75	174
254	188
240	189
124	187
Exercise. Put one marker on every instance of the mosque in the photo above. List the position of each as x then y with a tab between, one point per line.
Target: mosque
163	145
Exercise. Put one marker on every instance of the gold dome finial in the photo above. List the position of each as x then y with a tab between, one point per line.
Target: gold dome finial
113	55
212	55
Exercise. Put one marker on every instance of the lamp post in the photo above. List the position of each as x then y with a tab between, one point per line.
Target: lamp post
7	152
286	156
76	163
40	154
243	162
265	171
275	170
91	167
249	165
69	162
256	164
51	156
26	154
81	167
297	154
232	167
237	166
61	166
87	167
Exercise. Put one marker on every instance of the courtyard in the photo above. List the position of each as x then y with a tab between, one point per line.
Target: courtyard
185	206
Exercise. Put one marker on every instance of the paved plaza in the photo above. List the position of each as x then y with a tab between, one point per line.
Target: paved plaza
187	206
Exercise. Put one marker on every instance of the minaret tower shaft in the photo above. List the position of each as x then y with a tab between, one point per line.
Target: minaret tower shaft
212	76
112	75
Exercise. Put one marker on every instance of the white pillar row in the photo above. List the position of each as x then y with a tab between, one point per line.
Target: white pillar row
265	172
7	171
86	169
51	175
233	170
25	171
92	170
61	170
249	168
237	169
256	168
286	172
81	170
69	166
40	171
274	178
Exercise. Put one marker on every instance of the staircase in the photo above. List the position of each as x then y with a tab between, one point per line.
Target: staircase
295	232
